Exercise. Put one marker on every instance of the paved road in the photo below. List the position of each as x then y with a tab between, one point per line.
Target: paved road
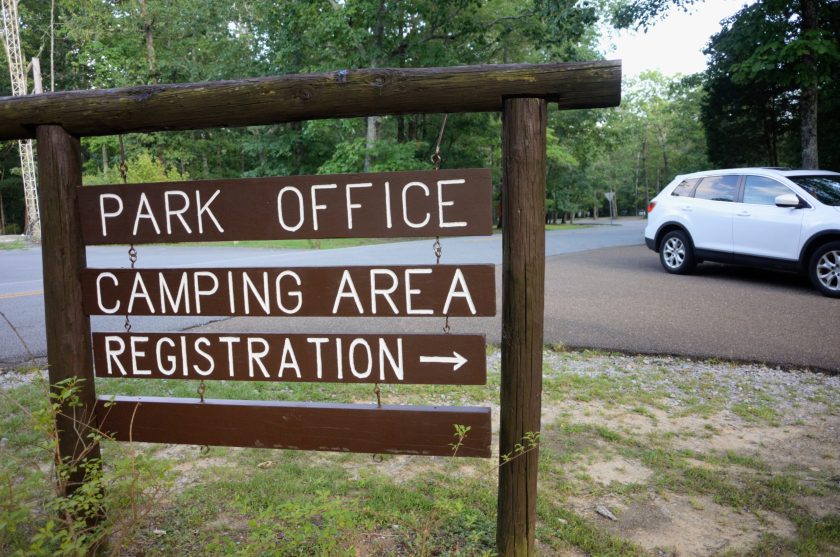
22	303
596	296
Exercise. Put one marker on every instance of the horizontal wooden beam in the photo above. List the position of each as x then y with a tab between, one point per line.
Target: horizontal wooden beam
357	428
290	98
314	358
420	204
352	291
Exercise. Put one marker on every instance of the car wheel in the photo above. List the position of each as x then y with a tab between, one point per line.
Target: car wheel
824	269
676	253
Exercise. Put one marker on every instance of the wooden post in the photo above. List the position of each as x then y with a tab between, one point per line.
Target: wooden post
523	277
67	327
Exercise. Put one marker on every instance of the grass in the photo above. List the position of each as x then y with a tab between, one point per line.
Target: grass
287	503
14	244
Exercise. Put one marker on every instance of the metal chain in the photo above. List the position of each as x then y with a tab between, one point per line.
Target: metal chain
132	255
201	388
123	166
436	156
378	392
437	247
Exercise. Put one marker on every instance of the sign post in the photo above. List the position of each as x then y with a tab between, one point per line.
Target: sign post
389	205
68	328
523	284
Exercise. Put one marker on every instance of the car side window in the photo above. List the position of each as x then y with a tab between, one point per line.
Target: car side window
718	188
685	188
759	190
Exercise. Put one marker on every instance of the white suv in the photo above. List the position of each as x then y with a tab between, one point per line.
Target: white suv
763	217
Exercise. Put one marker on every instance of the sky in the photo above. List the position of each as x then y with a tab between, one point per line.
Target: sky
674	44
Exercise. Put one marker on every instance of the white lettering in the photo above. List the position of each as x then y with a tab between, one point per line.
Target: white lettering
206	209
135	293
385	292
425	189
256	357
350	204
288	359
212	364
352	357
145	214
105	215
198	292
135	353
166	294
315	206
173	361
280	215
318	341
410	292
99	293
112	353
442	204
347	282
229	341
384	352
294	293
170	212
464	292
248	285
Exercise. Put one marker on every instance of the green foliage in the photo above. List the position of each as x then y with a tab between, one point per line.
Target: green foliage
759	63
35	519
387	155
140	170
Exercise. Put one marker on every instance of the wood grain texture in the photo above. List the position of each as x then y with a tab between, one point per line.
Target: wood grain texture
314	358
523	284
452	202
358	428
353	291
67	327
289	98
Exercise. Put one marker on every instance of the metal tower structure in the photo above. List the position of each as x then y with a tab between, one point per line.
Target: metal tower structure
17	71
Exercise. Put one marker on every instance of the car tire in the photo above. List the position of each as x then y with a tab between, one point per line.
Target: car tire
824	269
676	253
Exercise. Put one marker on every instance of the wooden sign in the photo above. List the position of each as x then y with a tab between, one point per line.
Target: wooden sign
454	290
382	205
409	359
360	428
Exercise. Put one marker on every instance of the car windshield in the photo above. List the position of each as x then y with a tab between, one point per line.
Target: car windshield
825	188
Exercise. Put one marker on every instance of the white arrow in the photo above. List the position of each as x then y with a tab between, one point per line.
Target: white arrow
457	360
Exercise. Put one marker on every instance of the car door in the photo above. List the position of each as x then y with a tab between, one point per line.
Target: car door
762	229
710	212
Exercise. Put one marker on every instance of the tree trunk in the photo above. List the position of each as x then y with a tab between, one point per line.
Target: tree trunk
105	166
148	23
810	92
808	131
374	122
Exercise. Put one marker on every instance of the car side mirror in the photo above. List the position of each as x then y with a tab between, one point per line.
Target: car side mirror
787	200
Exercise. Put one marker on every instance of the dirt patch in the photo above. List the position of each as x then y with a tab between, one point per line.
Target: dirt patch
619	470
686	526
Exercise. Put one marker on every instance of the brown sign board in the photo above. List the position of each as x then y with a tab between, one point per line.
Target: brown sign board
394	291
381	205
346	358
360	428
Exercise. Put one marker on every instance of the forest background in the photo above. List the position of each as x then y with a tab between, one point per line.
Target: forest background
765	65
